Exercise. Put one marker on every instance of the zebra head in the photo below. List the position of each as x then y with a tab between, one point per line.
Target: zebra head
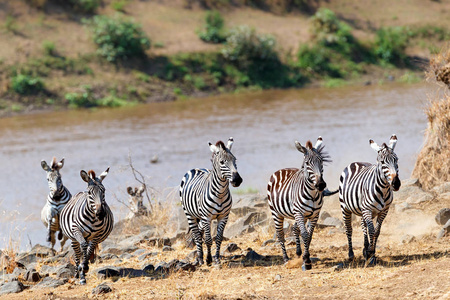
313	162
388	161
224	162
54	180
96	192
136	199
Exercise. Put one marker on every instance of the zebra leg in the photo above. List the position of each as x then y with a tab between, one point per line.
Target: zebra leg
76	248
297	239
206	225
311	226
84	245
300	220
371	233
366	238
220	229
349	231
198	239
62	242
380	220
278	220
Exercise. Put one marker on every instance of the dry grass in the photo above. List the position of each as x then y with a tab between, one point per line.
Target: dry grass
432	167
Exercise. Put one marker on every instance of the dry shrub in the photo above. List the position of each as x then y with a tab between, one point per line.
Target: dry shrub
8	257
432	167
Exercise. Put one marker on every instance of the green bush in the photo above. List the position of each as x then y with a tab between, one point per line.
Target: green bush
27	85
49	48
84	99
214	28
86	6
245	46
390	44
118	38
317	59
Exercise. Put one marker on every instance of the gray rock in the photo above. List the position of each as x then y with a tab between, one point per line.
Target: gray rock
246	224
231	247
235	264
178	217
66	271
125	256
442	189
444	231
139	252
32	276
407	238
338	267
402	207
159	242
49	282
420	197
192	255
148	268
107	256
442	216
147	255
253	256
167	248
42	251
405	192
107	272
118	250
324	215
18	271
47	270
27	258
101	289
11	287
269	241
410	181
330	221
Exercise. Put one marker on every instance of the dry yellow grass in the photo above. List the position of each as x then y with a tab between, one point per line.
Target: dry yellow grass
432	167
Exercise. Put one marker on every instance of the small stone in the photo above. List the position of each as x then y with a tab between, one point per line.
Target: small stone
231	247
49	282
235	264
330	221
11	287
32	276
66	271
444	231
101	289
338	267
167	248
277	278
442	216
324	215
269	241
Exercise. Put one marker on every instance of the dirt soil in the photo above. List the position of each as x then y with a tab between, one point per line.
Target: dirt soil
412	264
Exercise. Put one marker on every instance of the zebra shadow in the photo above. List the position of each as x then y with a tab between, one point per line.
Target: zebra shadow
391	261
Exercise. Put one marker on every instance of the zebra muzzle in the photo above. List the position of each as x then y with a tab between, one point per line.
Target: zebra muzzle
321	185
396	183
236	180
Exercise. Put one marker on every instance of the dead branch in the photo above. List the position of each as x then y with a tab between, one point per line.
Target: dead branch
141	180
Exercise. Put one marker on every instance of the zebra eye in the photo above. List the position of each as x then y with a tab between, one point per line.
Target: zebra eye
222	162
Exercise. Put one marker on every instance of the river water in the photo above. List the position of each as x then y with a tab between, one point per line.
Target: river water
264	126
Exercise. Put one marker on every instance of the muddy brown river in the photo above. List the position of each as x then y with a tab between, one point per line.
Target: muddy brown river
264	126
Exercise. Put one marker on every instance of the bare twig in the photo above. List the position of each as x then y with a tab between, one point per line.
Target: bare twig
141	180
122	202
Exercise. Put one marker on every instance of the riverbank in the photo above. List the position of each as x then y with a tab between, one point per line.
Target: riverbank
148	258
45	69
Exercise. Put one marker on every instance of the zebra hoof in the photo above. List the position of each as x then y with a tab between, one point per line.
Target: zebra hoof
306	267
60	235
371	261
83	282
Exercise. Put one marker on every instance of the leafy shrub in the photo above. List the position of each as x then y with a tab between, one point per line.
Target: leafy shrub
84	99
86	6
214	28
27	85
49	48
390	44
119	5
317	59
111	101
118	38
328	30
244	46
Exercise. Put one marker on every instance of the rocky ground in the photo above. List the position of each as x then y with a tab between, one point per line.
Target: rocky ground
142	259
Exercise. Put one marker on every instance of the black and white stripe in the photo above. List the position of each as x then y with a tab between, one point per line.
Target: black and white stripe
366	190
87	220
298	194
205	196
57	198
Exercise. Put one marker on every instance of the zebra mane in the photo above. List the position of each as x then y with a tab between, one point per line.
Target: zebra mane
323	154
54	163
91	174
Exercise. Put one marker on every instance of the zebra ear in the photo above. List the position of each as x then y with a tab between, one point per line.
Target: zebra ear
213	148
374	145
230	143
60	164
45	166
300	147
85	176
319	142
141	189
393	142
130	191
103	175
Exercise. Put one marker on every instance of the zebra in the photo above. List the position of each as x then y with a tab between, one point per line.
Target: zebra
298	194
205	195
87	220
136	201
366	190
57	198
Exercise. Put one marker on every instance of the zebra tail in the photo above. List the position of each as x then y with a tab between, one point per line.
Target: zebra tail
327	192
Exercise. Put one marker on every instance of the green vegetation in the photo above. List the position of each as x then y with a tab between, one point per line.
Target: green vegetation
390	45
26	85
49	48
86	6
214	31
88	99
118	38
119	5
